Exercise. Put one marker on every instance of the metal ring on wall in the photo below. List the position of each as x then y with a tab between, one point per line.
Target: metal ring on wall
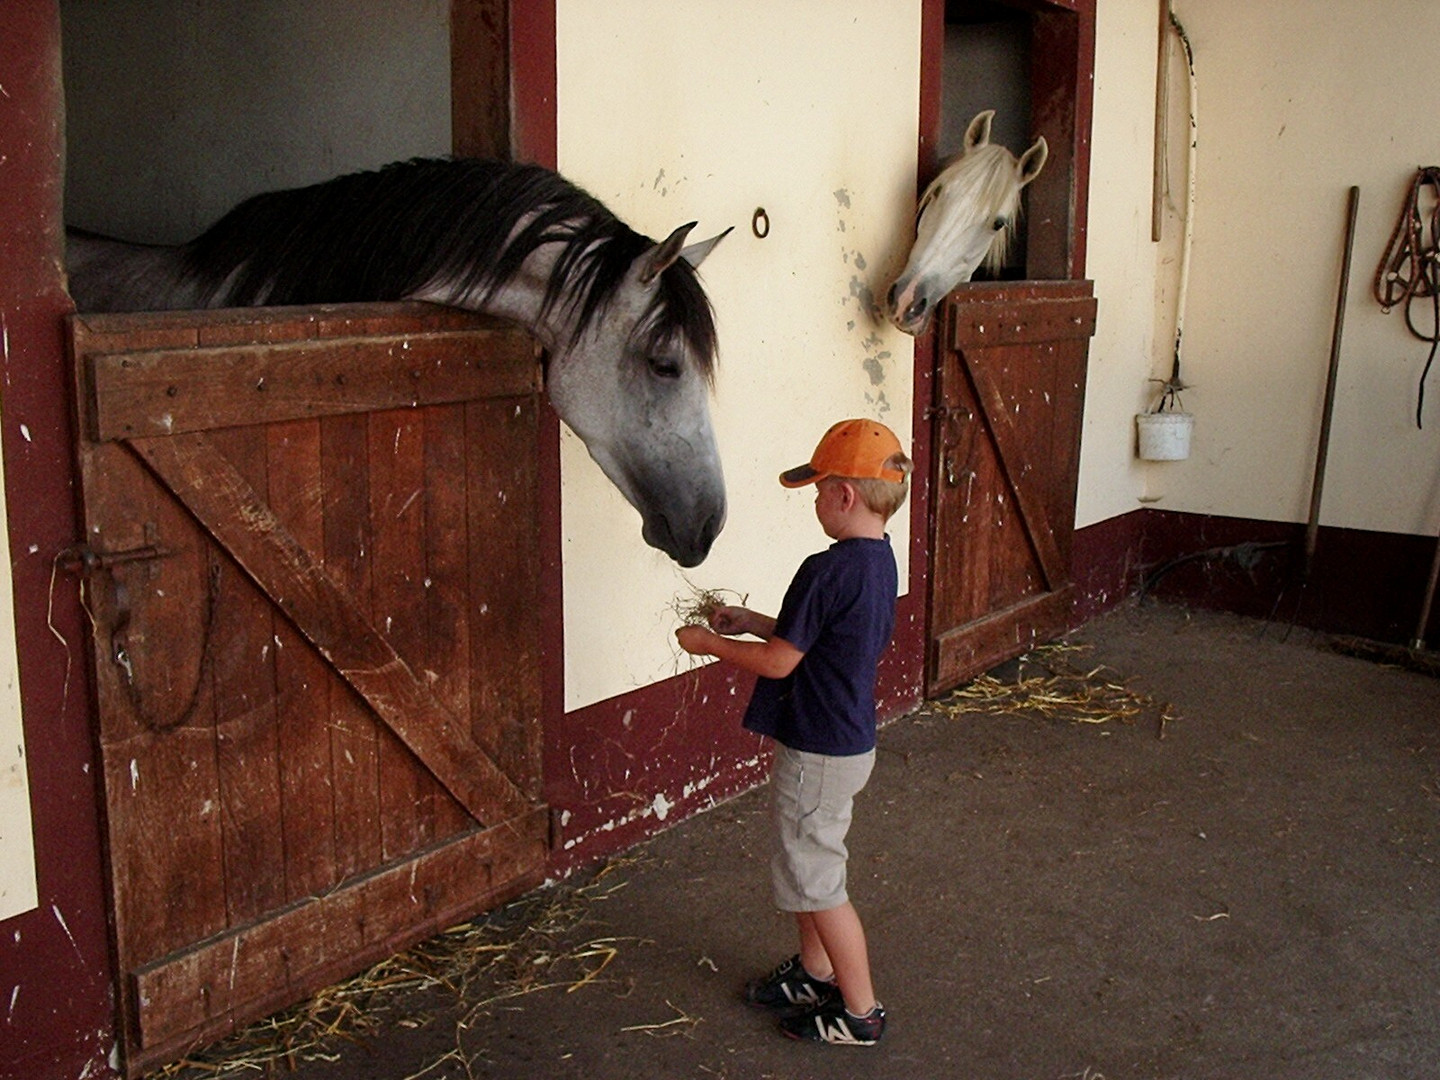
760	223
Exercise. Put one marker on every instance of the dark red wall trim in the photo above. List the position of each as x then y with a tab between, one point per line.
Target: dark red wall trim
55	973
1363	583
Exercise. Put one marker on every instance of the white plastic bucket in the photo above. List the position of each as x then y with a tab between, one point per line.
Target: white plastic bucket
1165	436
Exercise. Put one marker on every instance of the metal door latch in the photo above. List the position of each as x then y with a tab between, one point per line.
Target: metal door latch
86	559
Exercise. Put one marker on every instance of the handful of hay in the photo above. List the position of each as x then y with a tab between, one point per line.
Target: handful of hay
696	608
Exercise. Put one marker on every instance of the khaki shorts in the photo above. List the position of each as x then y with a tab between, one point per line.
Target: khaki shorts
814	798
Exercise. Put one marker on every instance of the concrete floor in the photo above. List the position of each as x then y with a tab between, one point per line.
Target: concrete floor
1254	895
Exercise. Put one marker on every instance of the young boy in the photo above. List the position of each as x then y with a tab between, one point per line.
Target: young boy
816	698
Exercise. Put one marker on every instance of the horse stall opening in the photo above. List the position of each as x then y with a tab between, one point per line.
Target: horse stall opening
309	563
1010	353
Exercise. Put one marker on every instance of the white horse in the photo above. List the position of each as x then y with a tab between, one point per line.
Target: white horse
966	217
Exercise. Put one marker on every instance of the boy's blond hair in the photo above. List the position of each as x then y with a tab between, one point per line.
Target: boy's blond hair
885	497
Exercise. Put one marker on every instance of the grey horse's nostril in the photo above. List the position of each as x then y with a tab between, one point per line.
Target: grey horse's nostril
890	296
917	309
712	529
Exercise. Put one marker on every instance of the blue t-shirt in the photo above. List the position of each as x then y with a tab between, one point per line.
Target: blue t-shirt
840	612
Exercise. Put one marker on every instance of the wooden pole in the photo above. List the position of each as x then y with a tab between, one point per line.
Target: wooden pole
1312	529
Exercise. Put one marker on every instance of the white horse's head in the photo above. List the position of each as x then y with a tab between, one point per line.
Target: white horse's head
635	385
965	217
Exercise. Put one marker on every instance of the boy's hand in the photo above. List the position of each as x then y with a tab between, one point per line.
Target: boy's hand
729	619
694	640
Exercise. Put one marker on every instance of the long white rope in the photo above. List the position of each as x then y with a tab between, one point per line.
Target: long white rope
1187	243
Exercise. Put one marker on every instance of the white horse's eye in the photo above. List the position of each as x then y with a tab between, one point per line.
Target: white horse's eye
925	202
999	223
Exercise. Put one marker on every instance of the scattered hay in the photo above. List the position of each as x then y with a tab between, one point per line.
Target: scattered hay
682	1024
516	950
1066	691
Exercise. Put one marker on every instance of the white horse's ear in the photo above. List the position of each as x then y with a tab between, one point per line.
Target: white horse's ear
695	253
978	133
1033	160
664	254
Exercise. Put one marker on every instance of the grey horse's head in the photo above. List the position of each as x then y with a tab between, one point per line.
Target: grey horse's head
629	331
635	384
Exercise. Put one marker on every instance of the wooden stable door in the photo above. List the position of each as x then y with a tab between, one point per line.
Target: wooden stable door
310	564
1010	395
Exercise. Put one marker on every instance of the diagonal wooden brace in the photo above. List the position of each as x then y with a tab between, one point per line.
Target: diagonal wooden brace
235	515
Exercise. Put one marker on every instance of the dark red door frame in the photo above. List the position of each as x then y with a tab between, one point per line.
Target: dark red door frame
55	973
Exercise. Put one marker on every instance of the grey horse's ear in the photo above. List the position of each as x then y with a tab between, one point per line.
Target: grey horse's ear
1033	160
695	253
978	133
664	254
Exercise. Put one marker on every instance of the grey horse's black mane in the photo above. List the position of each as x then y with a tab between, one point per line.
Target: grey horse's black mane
384	235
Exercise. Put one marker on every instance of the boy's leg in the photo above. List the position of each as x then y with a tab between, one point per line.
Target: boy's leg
834	941
812	950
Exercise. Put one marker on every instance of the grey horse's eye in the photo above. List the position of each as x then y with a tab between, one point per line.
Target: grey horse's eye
664	367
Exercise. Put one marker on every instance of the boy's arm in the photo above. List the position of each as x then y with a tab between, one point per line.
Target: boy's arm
731	620
774	658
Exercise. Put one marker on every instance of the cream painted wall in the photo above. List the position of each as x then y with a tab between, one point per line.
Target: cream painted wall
810	110
17	843
1122	261
1296	103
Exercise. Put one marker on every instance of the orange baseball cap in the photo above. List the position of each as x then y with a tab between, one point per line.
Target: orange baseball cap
852	448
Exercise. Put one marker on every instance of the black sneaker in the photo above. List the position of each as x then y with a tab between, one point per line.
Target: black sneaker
789	986
831	1022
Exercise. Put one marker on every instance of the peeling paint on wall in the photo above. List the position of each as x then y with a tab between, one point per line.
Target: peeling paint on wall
661	805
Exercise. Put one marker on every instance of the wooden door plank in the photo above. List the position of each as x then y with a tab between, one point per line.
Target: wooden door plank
447	586
142	393
156	761
501	489
963	481
355	735
397	606
230	509
156	731
116	331
1042	316
106	333
243	702
966	651
307	801
202	991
